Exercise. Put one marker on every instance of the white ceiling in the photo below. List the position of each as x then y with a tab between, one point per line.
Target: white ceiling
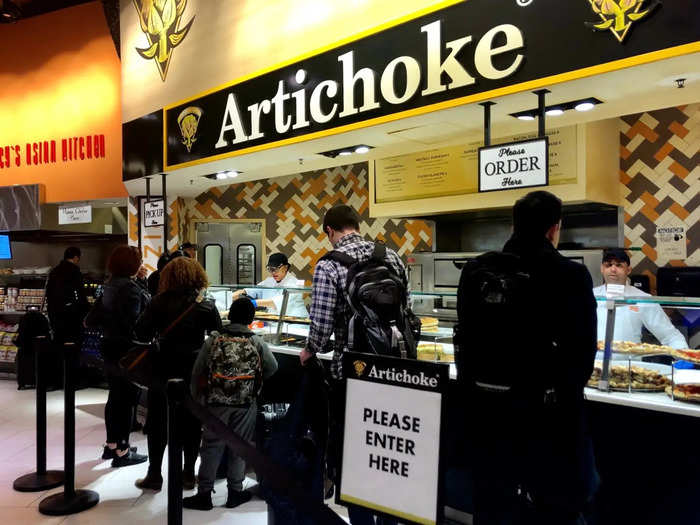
633	90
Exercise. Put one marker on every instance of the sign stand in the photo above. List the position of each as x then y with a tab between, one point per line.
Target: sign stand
391	463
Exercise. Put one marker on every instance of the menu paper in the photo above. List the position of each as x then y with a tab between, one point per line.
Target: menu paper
453	170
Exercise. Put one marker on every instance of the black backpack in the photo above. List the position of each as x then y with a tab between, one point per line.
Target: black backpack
382	321
502	337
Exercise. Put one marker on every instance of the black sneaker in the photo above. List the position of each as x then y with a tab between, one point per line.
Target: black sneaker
130	458
200	501
111	453
237	497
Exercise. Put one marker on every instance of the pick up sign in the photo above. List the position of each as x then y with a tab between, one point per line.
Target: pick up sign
514	165
154	213
391	440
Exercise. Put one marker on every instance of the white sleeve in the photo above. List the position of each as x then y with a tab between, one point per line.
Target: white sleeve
658	323
277	299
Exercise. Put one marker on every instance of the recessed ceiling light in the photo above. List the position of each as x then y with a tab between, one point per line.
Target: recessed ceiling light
555	112
232	174
345	152
221	176
361	149
584	106
526	117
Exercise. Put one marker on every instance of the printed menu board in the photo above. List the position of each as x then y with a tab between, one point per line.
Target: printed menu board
453	170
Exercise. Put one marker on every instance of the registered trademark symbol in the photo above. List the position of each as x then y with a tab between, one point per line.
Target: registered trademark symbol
524	3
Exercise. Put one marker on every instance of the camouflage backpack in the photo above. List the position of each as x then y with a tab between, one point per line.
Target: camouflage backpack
235	370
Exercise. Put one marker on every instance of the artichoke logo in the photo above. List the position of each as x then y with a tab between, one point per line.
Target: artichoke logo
188	120
160	21
359	367
619	15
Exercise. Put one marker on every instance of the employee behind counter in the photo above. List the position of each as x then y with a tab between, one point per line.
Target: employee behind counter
629	319
280	277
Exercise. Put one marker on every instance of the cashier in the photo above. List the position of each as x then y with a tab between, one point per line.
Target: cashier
280	277
629	319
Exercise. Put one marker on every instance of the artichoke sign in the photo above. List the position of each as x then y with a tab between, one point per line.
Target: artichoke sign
159	20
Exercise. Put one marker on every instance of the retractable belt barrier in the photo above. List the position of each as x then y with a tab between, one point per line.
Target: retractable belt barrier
42	479
277	478
70	501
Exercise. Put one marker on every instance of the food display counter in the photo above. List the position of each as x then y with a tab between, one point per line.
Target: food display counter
638	401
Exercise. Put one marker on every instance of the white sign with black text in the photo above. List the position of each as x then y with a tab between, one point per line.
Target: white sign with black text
515	165
154	213
75	214
391	444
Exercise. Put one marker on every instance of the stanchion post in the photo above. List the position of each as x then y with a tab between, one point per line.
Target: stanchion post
41	479
70	501
176	397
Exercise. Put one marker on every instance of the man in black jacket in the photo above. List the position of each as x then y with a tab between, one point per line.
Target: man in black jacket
66	300
529	430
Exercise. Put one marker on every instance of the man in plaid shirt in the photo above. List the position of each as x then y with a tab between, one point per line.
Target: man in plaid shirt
330	312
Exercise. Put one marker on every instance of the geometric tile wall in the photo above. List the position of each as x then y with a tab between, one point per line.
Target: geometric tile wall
660	182
293	208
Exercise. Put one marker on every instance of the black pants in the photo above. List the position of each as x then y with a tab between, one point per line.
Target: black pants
119	410
532	465
157	426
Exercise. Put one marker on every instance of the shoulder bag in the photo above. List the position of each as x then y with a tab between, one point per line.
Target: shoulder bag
138	363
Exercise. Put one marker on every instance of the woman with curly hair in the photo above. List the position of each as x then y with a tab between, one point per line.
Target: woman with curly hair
181	310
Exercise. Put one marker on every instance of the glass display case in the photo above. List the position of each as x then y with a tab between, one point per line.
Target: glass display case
280	327
648	344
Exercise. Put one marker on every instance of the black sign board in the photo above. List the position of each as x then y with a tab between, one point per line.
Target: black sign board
462	53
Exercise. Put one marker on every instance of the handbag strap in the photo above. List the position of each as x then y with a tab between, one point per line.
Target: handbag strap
198	300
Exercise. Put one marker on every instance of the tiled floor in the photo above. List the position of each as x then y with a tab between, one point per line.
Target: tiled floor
120	501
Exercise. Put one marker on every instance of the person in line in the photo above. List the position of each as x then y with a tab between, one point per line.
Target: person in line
235	348
629	319
189	249
532	454
141	277
280	277
154	279
67	303
182	309
330	313
115	313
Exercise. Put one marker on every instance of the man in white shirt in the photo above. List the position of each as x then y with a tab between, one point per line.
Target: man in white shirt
630	318
280	277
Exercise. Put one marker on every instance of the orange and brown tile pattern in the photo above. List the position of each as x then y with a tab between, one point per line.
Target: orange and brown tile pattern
293	208
660	181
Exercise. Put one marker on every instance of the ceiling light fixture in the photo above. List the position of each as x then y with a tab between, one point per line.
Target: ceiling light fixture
583	104
223	175
357	148
9	12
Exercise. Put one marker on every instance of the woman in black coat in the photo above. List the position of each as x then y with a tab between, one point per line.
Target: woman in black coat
183	282
122	302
